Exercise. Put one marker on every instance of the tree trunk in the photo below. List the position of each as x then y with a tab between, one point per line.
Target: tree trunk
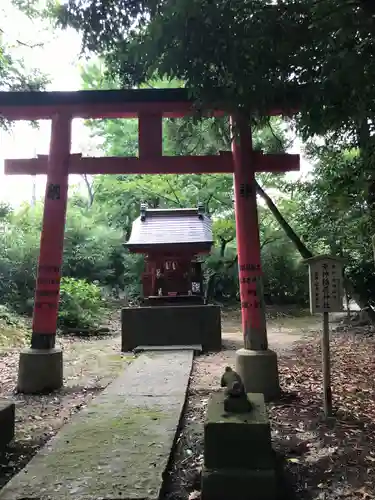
223	244
363	303
89	190
210	287
366	150
289	231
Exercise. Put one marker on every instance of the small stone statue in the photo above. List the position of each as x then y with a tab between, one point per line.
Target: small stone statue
236	400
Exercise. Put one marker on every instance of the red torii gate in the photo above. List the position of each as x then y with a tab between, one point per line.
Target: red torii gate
41	366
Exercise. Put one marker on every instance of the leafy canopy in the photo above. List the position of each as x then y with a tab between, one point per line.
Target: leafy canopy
14	74
316	52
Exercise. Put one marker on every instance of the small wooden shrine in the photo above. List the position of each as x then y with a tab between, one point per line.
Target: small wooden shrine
172	241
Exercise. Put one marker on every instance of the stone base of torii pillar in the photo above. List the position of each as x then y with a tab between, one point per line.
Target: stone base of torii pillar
40	370
259	372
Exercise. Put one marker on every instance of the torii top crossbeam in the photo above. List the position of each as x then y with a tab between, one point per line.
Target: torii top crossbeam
149	106
172	103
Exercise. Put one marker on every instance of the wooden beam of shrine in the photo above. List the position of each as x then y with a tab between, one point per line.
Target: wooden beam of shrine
221	163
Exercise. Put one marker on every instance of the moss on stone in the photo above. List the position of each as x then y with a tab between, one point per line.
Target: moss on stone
117	447
95	447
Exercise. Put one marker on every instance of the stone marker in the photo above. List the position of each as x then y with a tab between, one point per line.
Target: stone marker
238	457
7	418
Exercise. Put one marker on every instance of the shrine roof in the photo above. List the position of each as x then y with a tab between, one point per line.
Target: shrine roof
170	227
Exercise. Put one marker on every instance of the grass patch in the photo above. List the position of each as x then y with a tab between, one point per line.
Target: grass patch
12	336
13	329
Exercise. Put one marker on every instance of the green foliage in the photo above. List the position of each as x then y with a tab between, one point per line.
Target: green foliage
314	57
224	229
8	318
285	277
14	73
19	250
93	251
337	218
13	330
80	304
5	211
317	53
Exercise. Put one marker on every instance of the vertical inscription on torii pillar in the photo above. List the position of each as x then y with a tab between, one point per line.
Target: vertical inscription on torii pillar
48	284
53	191
250	274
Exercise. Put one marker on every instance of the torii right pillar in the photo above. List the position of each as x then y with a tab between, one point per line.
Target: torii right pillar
255	363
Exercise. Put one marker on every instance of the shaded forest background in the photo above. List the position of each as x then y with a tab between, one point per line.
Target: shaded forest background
328	211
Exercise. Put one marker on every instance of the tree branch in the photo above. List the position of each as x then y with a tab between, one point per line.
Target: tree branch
24	44
89	190
174	193
289	231
269	240
153	194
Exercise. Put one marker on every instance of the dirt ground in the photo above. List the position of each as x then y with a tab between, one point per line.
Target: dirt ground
283	332
317	456
316	459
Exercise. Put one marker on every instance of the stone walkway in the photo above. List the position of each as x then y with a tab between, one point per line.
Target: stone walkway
119	446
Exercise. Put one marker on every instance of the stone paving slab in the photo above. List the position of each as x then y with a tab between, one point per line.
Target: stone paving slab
119	446
142	348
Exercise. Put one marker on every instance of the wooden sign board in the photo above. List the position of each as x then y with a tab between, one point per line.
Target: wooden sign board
325	284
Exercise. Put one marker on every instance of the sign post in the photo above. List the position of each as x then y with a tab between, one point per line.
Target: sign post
326	295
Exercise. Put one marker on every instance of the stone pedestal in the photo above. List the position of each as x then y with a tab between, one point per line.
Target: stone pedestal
171	325
7	419
238	457
40	370
258	370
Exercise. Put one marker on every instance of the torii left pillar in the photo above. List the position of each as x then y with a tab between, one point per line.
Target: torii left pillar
41	366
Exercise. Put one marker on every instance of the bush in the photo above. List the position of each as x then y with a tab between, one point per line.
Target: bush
92	251
13	329
285	276
18	259
9	318
80	304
